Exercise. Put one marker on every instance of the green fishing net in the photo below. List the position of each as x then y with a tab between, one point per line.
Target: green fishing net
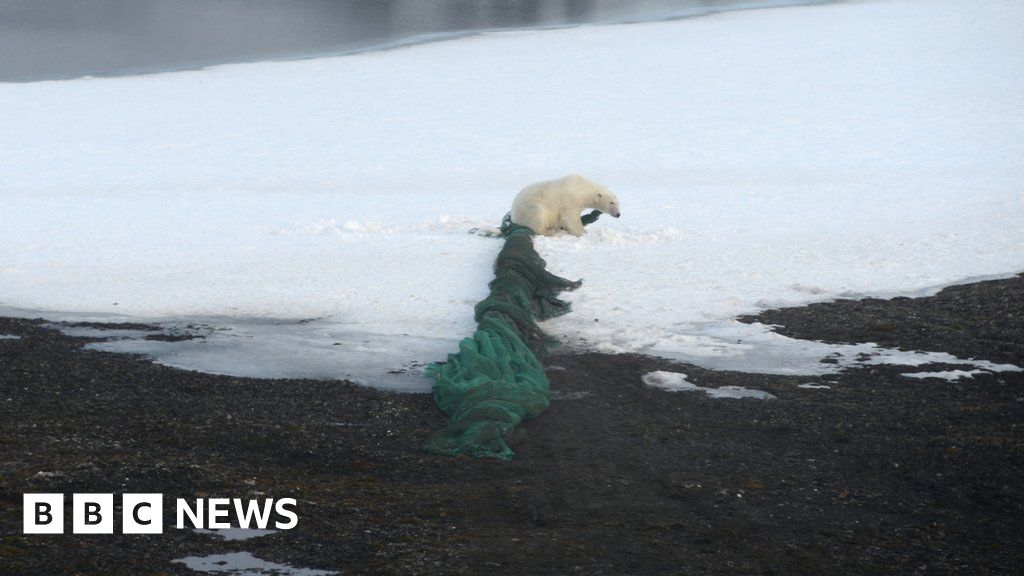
497	380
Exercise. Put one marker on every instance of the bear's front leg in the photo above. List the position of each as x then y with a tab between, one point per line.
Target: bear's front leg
573	225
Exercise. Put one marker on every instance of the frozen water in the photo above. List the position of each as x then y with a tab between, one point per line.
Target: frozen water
70	38
106	333
303	349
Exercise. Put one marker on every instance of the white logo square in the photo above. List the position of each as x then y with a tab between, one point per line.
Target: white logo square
92	514
43	513
142	513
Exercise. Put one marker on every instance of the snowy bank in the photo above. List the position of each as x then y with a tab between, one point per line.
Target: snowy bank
762	158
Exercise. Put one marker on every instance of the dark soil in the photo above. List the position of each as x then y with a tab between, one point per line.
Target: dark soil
980	320
880	474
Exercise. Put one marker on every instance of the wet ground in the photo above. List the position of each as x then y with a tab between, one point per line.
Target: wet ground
877	474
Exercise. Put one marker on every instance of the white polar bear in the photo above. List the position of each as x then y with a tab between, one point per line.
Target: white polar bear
548	207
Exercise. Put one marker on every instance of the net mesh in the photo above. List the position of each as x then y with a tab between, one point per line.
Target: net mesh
497	380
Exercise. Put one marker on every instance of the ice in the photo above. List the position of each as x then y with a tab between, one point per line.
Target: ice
677	382
737	346
95	332
245	564
288	349
763	158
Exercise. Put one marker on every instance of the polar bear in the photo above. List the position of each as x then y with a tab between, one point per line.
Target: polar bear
554	205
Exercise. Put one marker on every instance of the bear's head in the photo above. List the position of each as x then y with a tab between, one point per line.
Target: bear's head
605	201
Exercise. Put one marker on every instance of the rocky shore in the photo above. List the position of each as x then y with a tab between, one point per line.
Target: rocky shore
876	474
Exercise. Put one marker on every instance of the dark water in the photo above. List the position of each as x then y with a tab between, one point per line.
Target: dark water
54	39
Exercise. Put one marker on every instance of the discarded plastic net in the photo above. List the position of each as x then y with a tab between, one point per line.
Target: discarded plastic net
496	380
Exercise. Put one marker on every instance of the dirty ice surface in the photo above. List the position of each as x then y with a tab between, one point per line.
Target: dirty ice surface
309	218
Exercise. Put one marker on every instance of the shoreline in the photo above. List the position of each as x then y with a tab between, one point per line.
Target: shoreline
974	320
877	474
347	47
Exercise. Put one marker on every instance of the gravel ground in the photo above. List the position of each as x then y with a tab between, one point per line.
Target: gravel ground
878	474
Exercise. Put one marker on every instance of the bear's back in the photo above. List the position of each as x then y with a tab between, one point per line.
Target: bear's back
567	191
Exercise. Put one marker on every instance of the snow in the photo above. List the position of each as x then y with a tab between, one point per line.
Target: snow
9	337
320	349
762	158
245	564
922	358
950	375
677	382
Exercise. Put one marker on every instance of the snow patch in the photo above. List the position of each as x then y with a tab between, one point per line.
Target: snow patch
9	337
949	375
737	346
245	564
677	382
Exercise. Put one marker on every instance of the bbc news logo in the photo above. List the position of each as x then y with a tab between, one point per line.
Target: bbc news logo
144	513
